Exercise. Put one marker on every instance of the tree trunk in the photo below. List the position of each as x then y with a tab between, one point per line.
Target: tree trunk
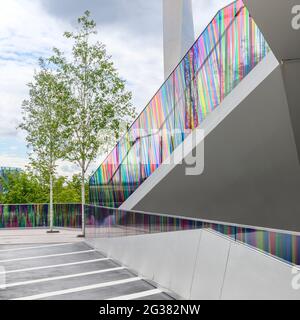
51	202
82	201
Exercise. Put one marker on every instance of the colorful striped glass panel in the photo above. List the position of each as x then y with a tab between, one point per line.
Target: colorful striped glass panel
37	216
227	50
109	222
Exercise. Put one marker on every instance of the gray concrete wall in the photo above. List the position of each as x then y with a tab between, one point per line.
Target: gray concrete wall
274	19
201	264
251	147
251	171
291	78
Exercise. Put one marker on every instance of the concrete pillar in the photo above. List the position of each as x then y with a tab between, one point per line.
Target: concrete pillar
178	29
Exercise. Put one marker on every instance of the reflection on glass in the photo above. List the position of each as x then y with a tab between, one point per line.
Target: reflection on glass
109	222
37	215
227	50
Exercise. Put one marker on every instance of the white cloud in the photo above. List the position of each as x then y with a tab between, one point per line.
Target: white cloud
204	11
10	161
139	62
27	32
13	79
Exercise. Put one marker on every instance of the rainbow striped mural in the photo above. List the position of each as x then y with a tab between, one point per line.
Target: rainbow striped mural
36	215
228	49
109	222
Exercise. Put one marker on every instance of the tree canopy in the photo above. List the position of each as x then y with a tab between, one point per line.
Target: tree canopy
27	187
78	104
100	107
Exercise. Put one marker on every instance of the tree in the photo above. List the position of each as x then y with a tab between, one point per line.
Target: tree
100	103
43	117
22	187
68	190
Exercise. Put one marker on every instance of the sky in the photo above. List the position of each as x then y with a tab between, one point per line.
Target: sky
130	29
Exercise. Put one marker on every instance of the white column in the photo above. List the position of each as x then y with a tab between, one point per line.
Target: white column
178	28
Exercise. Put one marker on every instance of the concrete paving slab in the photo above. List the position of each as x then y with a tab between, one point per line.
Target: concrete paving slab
37	251
108	292
37	236
43	266
161	296
51	260
59	271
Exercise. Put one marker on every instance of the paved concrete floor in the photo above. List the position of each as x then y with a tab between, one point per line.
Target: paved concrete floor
67	271
29	236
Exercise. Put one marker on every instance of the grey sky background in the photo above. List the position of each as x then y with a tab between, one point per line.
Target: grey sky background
131	30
